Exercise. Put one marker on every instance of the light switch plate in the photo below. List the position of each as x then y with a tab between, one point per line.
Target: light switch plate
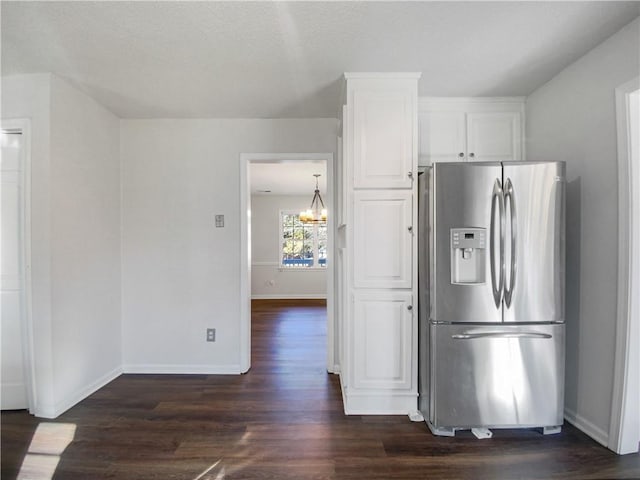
219	221
211	334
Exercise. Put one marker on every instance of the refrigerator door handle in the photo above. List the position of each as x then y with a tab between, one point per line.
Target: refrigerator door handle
497	284
471	336
510	201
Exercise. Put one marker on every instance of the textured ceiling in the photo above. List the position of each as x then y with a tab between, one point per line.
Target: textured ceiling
288	178
281	59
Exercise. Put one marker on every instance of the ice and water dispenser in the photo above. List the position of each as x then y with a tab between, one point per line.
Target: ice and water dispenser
468	247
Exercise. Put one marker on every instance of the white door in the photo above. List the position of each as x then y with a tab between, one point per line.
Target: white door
13	392
493	137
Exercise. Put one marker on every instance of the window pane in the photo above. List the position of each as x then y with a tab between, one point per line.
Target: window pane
288	219
306	253
299	241
322	245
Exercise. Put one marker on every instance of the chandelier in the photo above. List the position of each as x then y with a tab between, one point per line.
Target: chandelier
316	213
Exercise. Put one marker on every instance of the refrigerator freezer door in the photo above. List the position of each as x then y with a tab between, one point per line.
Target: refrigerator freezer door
462	196
496	376
534	246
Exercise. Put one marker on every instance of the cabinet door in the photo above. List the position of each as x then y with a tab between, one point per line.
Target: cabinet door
382	239
382	332
493	137
383	134
442	137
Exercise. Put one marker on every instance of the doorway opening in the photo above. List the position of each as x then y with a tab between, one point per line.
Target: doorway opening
17	386
286	263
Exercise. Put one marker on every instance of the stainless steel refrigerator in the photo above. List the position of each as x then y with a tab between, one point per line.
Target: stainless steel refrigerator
491	282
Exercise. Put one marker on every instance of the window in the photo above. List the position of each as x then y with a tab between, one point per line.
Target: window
303	245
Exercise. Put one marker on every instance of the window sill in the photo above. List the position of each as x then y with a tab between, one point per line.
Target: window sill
302	269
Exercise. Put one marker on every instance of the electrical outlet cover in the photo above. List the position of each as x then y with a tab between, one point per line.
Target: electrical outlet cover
211	334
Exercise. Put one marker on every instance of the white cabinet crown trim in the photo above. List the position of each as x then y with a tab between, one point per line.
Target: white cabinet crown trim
426	102
382	75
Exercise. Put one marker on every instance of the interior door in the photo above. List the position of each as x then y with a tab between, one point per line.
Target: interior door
534	246
463	197
13	393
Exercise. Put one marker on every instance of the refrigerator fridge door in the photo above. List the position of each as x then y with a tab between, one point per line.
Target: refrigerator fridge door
465	261
497	376
534	241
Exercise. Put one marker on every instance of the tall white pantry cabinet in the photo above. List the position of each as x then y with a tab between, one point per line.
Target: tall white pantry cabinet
378	358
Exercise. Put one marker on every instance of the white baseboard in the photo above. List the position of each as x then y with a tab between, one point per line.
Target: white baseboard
283	296
343	389
387	403
54	411
586	426
183	369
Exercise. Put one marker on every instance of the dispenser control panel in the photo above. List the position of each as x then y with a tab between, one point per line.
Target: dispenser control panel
467	237
468	259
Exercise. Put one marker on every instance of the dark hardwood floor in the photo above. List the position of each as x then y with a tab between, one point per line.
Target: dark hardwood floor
282	420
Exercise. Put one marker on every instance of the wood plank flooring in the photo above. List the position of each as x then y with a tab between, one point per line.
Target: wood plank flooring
282	420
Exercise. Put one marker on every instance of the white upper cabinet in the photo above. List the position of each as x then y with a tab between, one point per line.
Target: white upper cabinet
470	129
384	122
443	136
493	137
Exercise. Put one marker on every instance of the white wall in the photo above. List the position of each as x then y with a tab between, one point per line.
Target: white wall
85	244
75	238
267	279
572	118
180	273
28	97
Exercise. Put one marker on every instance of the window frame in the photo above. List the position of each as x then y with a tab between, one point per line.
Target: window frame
315	247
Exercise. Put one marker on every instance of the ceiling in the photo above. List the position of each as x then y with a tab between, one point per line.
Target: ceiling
288	178
286	59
